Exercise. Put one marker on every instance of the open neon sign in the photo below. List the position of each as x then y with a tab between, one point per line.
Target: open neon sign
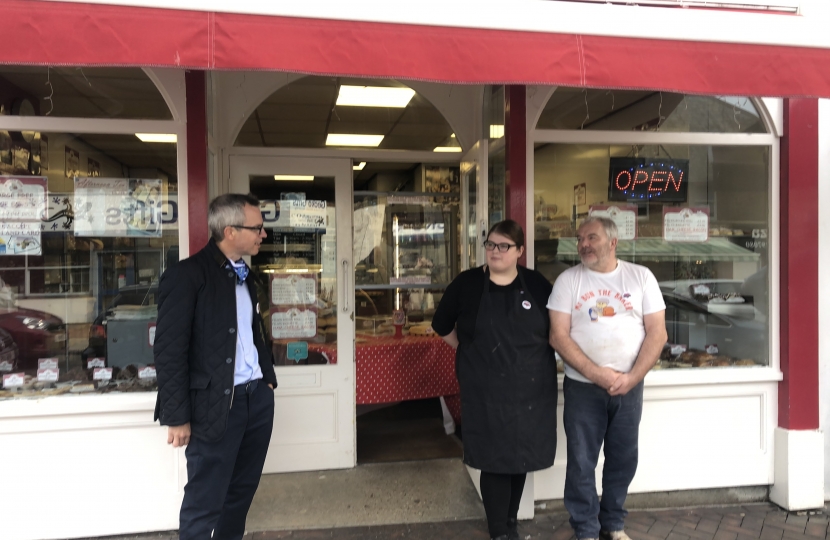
643	179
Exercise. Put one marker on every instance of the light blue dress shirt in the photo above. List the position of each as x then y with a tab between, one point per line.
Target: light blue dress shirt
247	358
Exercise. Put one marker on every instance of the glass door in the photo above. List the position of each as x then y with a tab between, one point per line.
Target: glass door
305	268
474	206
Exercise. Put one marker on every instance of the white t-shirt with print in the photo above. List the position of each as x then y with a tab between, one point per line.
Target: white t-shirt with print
607	312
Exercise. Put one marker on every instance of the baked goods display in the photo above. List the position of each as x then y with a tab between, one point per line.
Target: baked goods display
421	329
78	381
694	358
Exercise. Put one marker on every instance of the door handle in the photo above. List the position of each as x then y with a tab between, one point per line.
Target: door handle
483	230
346	289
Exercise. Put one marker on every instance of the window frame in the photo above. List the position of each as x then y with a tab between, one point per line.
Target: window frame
771	372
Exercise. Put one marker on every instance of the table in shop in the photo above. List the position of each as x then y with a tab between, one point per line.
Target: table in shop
391	370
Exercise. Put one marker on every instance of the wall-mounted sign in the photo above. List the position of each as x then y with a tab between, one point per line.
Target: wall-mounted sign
641	179
625	217
685	224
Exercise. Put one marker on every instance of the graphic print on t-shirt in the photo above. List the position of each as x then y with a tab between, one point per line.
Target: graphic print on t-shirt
604	303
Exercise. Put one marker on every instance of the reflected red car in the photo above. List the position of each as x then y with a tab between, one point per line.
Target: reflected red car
37	334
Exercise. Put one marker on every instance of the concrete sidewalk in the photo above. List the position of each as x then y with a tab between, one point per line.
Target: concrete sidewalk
762	521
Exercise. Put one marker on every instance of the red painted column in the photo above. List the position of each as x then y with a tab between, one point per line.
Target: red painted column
798	393
197	171
515	133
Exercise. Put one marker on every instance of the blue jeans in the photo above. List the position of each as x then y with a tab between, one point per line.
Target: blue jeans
592	417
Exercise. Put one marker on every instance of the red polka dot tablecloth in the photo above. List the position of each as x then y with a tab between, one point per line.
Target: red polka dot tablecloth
390	370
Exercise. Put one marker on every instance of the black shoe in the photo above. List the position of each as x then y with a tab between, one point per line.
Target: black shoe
512	529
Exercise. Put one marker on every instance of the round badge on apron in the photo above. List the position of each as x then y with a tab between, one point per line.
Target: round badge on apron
526	304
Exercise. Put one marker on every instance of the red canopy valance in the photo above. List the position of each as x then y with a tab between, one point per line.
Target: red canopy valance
51	33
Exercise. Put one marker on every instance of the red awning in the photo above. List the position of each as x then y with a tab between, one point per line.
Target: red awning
48	33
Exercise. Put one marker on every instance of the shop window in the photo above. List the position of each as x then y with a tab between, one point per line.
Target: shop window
697	216
634	110
80	93
305	113
87	225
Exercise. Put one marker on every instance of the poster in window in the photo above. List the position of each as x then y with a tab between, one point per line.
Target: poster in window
72	162
93	168
686	224
22	206
624	216
293	306
118	207
580	195
44	152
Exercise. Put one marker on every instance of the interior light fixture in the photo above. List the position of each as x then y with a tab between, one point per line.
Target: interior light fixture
496	131
359	166
374	96
346	139
294	177
157	137
447	149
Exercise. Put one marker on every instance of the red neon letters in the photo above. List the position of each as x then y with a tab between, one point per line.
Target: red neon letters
659	181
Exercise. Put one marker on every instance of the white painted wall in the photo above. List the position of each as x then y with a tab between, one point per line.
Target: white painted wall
824	280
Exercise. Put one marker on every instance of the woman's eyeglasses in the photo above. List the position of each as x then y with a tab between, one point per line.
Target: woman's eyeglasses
256	228
490	246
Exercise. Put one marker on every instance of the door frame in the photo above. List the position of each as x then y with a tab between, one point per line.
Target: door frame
297	444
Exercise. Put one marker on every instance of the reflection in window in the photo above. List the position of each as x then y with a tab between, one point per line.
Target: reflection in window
633	110
79	274
80	93
716	287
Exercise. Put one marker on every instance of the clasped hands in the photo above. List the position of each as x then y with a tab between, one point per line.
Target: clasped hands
614	382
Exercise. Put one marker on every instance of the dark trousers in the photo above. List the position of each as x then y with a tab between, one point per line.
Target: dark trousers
223	476
591	418
501	495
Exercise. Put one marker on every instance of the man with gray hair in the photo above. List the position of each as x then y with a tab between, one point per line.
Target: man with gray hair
608	324
215	372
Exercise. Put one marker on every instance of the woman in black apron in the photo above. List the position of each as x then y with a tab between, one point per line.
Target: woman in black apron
495	317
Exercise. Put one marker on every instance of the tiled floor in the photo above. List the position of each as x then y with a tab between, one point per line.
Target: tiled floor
748	522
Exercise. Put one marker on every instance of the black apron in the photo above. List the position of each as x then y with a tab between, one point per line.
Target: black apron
507	376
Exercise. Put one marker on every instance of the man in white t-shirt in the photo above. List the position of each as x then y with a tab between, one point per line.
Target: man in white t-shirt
608	324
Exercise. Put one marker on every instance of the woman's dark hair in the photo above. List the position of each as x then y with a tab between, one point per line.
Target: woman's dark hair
510	229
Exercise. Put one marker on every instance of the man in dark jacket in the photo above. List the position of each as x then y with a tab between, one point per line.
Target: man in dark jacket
215	372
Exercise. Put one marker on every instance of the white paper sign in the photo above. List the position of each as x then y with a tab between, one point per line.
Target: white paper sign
102	374
147	372
96	363
306	214
625	218
47	363
22	199
6	365
410	280
293	324
151	334
685	224
293	290
118	207
13	380
48	375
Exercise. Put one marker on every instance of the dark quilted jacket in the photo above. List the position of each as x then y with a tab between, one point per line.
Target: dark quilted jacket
195	345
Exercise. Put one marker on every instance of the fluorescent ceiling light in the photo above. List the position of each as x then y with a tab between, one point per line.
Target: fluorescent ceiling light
374	96
496	131
294	177
345	139
359	166
447	149
157	137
